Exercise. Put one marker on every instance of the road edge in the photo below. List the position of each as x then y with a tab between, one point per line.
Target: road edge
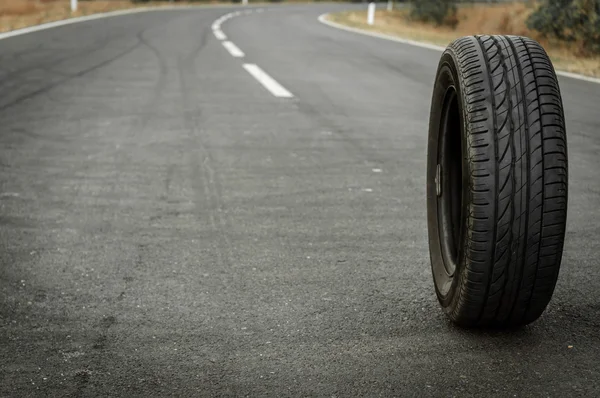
91	17
323	19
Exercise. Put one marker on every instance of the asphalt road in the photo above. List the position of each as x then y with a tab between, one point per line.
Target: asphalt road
168	227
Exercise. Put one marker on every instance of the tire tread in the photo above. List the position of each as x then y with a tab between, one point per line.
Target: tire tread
517	151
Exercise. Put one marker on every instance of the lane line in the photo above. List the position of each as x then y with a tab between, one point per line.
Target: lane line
219	34
263	78
578	76
233	49
216	28
267	81
323	19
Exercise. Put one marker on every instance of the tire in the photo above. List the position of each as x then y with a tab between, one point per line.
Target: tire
496	181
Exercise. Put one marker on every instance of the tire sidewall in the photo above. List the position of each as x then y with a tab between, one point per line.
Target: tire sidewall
447	75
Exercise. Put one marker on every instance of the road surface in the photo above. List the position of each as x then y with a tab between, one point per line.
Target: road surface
170	227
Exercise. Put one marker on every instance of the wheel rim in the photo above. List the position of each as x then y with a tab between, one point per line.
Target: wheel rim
449	188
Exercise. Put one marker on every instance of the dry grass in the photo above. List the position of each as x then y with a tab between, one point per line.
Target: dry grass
478	19
18	8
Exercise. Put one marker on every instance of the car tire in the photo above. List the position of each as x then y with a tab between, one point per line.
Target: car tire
496	181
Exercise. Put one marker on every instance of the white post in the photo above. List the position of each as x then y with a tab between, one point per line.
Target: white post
371	14
73	5
390	6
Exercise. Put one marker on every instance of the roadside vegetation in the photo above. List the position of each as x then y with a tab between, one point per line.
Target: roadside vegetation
569	30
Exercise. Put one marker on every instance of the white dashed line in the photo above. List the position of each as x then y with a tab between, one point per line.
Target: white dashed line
376	170
267	81
233	49
219	34
263	78
216	28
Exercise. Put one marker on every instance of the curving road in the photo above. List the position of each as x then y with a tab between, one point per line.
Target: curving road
170	227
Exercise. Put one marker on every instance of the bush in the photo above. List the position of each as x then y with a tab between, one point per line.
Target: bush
439	12
571	21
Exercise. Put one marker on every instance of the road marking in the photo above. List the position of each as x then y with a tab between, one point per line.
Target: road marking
267	81
323	19
9	195
376	170
219	34
578	76
233	49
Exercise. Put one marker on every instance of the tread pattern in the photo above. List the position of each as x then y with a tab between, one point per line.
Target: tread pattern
516	144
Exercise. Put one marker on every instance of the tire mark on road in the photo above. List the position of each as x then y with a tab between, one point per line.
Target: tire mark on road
162	74
66	79
202	164
48	64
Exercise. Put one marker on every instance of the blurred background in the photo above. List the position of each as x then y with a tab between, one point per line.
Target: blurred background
568	29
